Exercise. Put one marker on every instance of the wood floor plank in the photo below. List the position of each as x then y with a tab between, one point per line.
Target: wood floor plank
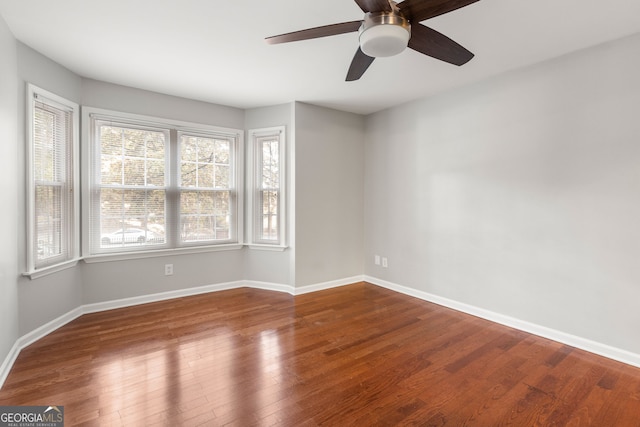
355	355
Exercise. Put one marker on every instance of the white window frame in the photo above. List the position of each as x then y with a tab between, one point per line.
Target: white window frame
254	208
71	215
236	225
172	243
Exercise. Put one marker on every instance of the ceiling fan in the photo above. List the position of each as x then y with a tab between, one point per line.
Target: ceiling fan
388	28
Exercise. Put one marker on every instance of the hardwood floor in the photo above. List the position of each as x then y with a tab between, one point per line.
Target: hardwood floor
357	355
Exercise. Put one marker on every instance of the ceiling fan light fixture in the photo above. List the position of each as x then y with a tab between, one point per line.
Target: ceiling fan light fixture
384	34
386	31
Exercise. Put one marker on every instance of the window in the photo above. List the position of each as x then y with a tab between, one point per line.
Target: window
206	191
131	186
267	186
52	224
161	185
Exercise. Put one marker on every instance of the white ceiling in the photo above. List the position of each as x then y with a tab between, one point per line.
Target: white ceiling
214	50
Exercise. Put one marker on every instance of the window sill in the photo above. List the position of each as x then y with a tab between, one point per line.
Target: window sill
124	256
36	274
274	248
45	271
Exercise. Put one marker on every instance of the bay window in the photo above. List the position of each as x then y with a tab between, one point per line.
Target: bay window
158	185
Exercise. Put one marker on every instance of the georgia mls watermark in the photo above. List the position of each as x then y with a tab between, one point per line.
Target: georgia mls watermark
31	416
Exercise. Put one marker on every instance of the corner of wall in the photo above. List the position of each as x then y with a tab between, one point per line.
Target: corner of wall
9	173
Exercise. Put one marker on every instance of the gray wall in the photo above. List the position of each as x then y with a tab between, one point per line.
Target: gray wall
49	297
9	178
106	281
274	266
109	281
329	172
519	195
136	101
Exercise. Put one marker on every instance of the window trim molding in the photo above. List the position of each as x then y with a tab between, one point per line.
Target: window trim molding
50	269
252	209
175	127
263	247
237	159
155	253
73	238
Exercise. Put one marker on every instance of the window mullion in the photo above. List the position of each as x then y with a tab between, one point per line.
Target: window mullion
173	191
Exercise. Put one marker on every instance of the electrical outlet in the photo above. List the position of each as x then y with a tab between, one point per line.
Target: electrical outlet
376	259
168	269
385	262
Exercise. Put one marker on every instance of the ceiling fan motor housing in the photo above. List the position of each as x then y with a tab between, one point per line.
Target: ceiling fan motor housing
384	34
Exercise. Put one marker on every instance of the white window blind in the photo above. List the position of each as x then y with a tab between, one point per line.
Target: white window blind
52	202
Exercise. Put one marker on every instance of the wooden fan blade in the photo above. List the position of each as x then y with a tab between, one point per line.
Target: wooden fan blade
419	10
432	43
313	33
359	65
374	5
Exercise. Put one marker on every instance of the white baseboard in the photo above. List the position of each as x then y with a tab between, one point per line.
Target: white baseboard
32	337
47	328
327	285
269	286
8	362
600	349
145	299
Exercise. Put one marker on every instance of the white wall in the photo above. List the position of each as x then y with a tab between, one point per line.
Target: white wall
9	191
329	171
519	195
